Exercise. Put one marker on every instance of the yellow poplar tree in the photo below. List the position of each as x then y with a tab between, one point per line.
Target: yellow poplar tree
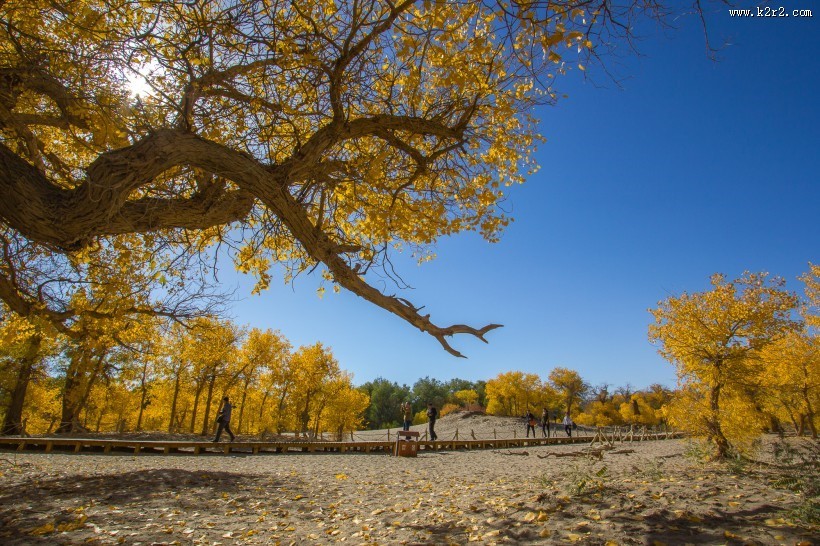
310	133
791	379
569	385
260	350
714	339
513	393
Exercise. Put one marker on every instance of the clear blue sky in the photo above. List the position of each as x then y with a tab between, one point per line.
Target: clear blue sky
690	168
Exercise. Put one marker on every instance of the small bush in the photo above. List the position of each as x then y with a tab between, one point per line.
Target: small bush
799	471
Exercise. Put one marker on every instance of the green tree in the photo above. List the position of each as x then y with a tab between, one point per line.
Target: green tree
385	399
427	390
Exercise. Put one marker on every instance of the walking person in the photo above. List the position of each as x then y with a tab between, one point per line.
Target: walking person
223	419
530	423
432	413
568	425
545	423
407	413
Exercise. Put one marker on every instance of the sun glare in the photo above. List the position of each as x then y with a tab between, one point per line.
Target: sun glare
138	85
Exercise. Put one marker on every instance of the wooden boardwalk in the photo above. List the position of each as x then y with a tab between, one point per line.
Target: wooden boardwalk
166	447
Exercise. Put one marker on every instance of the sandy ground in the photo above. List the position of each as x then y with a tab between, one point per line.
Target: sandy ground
657	494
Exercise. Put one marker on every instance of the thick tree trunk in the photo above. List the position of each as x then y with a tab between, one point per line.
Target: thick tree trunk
281	410
318	419
305	417
242	405
71	399
713	424
143	395
13	421
809	411
206	421
77	390
199	386
262	405
171	427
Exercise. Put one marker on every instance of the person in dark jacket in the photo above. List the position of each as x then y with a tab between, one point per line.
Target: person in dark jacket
223	419
432	413
545	423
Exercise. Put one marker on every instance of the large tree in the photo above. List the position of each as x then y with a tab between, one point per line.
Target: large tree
715	338
310	133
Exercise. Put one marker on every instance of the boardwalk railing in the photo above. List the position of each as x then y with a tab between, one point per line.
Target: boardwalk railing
136	446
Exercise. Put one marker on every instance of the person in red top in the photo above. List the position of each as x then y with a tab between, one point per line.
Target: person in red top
530	423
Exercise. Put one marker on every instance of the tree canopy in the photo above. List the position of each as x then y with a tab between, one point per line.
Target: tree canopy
310	134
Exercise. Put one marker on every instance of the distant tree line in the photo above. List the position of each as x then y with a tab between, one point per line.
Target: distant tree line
386	396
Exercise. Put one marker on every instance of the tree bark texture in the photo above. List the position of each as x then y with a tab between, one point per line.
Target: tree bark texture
13	421
102	206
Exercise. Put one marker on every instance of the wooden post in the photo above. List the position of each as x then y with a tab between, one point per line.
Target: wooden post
495	436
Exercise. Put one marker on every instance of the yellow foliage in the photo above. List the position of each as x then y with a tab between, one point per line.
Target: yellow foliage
714	339
466	397
448	408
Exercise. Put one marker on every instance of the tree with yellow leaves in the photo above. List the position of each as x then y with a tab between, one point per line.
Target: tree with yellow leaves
514	393
260	351
790	378
24	345
316	378
714	339
304	133
811	307
569	385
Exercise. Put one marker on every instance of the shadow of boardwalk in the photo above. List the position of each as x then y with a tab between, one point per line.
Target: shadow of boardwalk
36	511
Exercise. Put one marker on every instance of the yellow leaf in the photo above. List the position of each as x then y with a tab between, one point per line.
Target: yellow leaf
43	529
78	523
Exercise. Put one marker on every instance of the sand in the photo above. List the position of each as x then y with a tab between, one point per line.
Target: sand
656	494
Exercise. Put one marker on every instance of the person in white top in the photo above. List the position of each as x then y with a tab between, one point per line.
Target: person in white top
568	424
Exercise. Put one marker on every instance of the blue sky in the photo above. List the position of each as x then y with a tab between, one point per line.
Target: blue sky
691	167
